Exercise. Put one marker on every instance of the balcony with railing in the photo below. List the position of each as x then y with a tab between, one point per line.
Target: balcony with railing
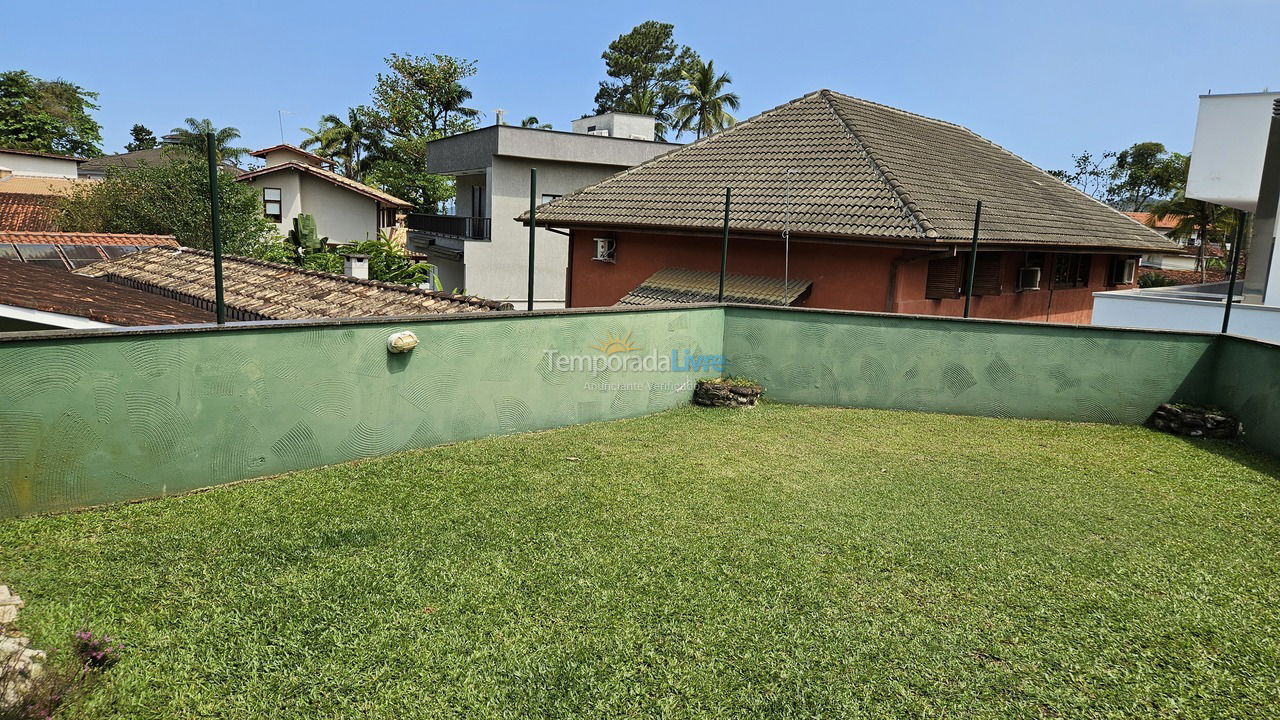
468	228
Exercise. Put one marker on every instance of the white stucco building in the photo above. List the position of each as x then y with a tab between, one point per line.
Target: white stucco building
29	163
482	248
294	181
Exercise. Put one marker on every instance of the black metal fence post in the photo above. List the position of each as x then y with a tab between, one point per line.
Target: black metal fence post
724	245
973	259
533	226
1241	217
219	303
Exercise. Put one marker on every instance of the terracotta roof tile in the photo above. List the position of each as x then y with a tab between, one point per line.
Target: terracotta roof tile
84	238
676	285
49	289
260	290
25	211
843	167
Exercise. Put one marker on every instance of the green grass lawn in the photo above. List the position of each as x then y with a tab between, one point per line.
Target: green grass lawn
780	562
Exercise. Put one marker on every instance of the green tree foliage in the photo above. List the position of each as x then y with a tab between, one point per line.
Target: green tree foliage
1131	179
169	198
193	136
533	122
704	102
1210	222
388	261
143	139
351	143
420	98
645	60
47	115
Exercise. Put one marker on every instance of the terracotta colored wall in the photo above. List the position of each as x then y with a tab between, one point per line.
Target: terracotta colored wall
845	277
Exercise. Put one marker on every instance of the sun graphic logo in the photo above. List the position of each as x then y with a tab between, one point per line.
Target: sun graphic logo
613	344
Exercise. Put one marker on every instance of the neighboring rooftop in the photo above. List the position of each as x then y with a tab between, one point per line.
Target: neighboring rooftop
97	167
285	150
51	290
26	212
677	285
69	251
1167	222
332	177
841	167
38	153
33	185
260	290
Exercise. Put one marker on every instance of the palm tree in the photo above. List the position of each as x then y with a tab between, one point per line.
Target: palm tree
1194	216
452	102
704	104
532	122
193	137
346	142
649	102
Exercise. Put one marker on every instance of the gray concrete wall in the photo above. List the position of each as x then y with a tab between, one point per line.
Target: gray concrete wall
470	152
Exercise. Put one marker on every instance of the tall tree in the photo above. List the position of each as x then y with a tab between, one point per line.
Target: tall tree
646	59
143	139
419	100
350	143
193	137
1130	179
47	115
424	96
1209	222
704	103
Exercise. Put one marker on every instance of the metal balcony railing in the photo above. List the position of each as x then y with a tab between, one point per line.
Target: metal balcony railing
471	228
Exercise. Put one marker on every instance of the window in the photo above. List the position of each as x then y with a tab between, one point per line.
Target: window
548	197
1123	271
477	201
1070	271
943	280
988	276
271	205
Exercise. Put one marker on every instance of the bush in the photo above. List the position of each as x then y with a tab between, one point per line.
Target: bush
1151	280
388	262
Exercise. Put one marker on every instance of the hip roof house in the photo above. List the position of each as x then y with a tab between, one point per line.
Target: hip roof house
878	207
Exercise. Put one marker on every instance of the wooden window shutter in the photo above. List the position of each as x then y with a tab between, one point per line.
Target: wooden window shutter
988	276
944	279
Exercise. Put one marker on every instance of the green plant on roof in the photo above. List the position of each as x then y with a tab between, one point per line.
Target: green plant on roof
305	237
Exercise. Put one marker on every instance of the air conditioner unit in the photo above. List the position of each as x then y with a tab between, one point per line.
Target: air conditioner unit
605	250
1028	278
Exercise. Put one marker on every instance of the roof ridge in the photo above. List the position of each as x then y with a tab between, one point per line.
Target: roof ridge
713	136
911	209
324	174
408	289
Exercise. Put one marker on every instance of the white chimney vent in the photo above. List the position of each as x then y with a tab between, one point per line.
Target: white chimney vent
356	266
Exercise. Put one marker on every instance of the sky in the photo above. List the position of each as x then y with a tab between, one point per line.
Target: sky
1043	78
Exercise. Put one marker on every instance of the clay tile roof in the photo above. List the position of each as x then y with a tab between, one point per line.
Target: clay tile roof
292	148
1168	222
676	285
52	290
848	168
260	290
333	177
87	238
25	211
30	185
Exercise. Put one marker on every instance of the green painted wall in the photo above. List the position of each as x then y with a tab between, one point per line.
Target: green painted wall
92	420
973	368
1247	382
87	420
